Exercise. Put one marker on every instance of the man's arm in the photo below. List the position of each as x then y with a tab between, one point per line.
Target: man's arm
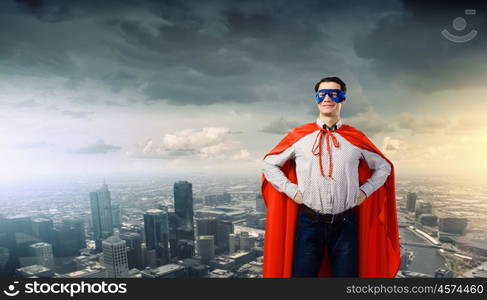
381	168
273	173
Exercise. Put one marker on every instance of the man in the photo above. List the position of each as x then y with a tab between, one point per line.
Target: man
318	222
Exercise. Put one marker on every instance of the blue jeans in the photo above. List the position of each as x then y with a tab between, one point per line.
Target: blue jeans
312	237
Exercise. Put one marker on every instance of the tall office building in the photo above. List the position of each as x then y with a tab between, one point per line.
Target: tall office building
115	256
8	260
173	241
157	234
42	254
206	247
260	204
225	228
207	226
101	214
76	225
233	243
69	237
116	215
183	208
411	202
43	229
15	238
134	249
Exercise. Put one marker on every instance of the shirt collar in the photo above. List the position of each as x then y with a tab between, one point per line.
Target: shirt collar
337	125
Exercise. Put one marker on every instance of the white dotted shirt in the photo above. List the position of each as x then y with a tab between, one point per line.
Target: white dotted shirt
322	193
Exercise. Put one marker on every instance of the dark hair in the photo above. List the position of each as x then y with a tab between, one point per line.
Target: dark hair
342	84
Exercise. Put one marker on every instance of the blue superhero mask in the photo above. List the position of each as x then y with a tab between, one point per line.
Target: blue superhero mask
335	95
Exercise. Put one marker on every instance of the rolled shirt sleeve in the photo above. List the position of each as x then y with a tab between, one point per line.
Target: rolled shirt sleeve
381	168
273	173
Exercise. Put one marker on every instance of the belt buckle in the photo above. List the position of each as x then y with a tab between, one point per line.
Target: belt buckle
332	219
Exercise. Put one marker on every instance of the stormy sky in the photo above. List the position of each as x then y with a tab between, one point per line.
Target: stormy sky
102	87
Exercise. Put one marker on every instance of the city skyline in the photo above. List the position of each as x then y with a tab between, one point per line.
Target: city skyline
442	230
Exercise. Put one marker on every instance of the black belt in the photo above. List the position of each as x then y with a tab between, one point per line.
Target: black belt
328	218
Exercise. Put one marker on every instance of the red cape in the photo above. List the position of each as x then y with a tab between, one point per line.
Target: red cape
379	249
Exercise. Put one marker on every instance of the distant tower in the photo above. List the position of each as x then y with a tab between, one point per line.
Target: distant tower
242	241
260	204
115	256
101	214
207	226
233	243
69	237
134	251
411	202
116	215
206	247
183	208
43	229
10	245
157	234
173	241
225	228
42	252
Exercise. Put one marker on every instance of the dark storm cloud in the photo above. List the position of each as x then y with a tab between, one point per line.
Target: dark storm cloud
99	147
119	80
409	47
186	52
55	11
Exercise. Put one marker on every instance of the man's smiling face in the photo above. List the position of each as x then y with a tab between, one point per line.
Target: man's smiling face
328	107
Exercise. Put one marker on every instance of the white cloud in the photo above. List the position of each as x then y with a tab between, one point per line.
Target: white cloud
206	143
242	155
96	148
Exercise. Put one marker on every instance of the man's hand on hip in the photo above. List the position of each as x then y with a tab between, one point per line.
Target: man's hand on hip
361	197
298	198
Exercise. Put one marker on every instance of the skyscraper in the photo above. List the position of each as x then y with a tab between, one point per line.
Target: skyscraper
116	215
225	228
157	234
260	204
173	241
134	249
15	238
43	229
69	237
42	253
411	202
207	226
115	256
76	226
101	214
183	208
206	247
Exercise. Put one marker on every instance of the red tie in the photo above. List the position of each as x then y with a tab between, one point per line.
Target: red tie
328	134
